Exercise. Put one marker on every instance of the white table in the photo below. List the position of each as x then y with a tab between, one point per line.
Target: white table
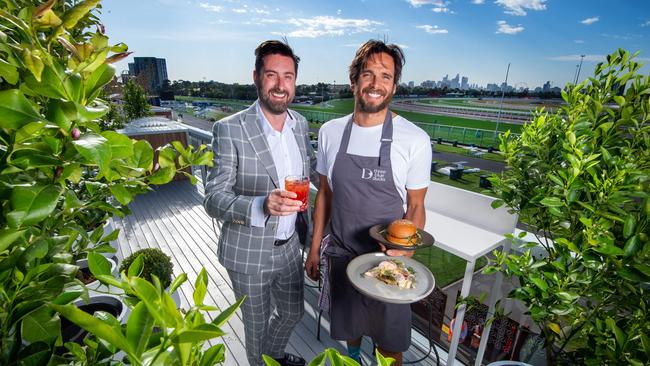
463	223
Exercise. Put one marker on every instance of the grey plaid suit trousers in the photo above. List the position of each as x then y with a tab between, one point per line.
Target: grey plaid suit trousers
268	328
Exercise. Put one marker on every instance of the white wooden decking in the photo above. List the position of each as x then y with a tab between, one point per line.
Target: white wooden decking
172	218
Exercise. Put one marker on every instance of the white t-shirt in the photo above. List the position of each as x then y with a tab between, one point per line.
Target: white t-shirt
410	152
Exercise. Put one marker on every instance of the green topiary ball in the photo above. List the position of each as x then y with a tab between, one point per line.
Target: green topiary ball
155	262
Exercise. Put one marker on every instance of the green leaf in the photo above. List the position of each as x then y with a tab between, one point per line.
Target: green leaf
202	332
383	361
551	202
98	265
213	355
136	266
166	157
8	237
319	360
163	176
609	249
226	314
630	225
555	328
538	281
497	203
73	15
146	292
200	287
121	145
16	110
632	246
139	328
178	281
50	84
40	325
645	341
121	193
95	149
31	205
566	296
618	332
96	327
269	361
8	72
97	79
142	155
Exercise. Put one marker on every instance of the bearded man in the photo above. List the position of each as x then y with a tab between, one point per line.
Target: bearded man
254	150
374	168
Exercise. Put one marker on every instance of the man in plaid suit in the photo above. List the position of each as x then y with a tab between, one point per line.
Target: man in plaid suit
259	242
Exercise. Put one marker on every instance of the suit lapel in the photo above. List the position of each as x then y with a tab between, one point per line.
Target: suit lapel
258	142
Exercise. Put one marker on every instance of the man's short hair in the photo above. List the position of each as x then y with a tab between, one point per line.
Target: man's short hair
271	48
372	47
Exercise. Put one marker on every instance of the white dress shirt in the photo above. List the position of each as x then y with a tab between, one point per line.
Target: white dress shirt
287	161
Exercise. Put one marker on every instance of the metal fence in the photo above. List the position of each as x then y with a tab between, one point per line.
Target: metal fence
451	134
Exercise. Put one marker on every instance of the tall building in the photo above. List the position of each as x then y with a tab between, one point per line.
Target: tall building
463	83
152	71
455	84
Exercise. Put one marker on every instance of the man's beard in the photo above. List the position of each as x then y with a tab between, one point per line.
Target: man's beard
273	107
369	108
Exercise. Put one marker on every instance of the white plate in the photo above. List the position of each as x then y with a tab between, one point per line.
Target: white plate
378	290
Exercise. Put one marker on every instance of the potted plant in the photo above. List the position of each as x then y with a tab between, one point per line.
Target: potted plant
579	178
156	332
56	164
153	262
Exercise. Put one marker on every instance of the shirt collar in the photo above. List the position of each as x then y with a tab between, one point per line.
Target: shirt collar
289	122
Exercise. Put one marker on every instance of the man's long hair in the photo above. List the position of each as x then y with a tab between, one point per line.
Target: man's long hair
372	47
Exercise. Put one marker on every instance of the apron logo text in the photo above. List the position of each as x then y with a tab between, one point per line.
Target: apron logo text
377	175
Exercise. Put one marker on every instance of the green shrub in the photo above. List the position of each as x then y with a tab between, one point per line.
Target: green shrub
154	262
580	177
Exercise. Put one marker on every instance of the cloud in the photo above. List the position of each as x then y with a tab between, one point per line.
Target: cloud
441	9
478	2
518	7
646	24
590	21
579	41
506	28
432	29
240	11
319	26
212	8
438	6
419	3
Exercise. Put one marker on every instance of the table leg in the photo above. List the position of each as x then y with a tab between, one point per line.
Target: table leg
460	313
495	294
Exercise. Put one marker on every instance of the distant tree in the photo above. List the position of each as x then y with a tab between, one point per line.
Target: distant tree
135	101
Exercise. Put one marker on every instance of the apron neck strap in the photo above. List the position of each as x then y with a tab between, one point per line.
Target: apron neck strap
386	137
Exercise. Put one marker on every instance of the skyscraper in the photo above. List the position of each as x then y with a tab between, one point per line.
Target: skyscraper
152	71
463	83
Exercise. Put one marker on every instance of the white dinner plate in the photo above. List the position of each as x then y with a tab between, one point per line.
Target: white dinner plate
378	290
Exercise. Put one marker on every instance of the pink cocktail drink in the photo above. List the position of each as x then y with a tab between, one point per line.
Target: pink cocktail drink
300	186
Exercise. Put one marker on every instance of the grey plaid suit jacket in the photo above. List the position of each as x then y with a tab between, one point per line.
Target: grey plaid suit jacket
243	169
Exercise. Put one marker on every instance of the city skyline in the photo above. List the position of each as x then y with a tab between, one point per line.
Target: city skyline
543	40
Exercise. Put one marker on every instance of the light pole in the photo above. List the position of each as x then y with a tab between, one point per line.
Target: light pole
503	93
579	68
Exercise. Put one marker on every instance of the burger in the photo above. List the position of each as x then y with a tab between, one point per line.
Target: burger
402	232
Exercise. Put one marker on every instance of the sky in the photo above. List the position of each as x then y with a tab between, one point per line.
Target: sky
541	39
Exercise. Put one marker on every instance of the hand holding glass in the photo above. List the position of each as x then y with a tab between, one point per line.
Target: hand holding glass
298	184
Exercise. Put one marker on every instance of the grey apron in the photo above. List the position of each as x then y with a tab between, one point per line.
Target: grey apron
364	194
